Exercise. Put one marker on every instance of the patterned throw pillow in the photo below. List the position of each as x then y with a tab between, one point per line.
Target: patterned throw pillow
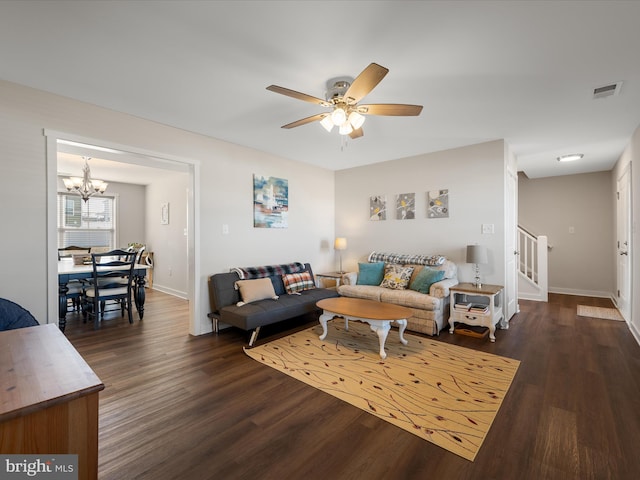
396	276
297	282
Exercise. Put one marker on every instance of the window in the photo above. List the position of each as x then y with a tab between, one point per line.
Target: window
86	224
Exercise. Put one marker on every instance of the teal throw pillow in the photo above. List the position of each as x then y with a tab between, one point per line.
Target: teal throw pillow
425	278
370	273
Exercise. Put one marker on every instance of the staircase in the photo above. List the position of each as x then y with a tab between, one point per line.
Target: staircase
532	266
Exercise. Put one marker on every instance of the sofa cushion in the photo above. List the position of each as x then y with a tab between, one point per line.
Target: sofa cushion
426	277
266	312
370	273
396	276
297	282
369	292
254	290
411	299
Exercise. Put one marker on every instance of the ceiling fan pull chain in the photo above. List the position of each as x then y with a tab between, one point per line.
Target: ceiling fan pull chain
344	142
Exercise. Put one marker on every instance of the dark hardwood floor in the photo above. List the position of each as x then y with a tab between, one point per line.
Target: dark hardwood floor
183	407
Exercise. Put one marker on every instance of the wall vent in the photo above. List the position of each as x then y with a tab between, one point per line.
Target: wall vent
607	90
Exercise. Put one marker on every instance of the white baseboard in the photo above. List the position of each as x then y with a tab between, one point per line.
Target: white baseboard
581	293
170	291
530	296
634	332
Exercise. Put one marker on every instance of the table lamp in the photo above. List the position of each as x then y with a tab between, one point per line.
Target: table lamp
340	244
477	254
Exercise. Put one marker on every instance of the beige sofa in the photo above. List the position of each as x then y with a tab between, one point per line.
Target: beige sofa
430	311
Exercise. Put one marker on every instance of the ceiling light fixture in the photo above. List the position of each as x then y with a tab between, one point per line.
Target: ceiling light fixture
326	123
344	116
86	186
342	97
356	120
570	158
338	116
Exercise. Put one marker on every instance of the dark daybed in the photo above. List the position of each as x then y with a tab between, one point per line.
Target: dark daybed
239	298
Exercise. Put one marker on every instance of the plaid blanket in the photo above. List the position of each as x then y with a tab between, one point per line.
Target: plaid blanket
431	260
248	273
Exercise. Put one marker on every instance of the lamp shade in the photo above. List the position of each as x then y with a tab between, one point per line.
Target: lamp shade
356	120
477	254
327	123
338	116
340	243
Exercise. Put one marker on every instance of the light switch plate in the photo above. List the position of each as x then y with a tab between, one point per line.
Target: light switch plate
487	228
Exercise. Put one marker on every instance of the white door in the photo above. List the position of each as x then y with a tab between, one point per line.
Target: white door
511	247
623	214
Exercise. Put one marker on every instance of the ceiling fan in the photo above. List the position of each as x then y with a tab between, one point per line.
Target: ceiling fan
342	98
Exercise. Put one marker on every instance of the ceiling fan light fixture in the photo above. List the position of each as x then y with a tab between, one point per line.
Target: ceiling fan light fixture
342	98
346	128
356	120
326	123
338	116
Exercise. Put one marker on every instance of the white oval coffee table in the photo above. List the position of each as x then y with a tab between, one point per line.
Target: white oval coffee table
378	315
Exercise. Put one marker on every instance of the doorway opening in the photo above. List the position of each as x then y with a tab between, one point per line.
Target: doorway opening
130	158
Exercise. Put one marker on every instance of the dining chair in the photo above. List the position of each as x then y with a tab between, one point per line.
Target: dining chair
76	287
138	250
111	281
71	250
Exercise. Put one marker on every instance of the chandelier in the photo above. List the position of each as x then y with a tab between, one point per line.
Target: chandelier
86	186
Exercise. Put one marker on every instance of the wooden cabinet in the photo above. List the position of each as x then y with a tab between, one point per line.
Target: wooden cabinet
49	401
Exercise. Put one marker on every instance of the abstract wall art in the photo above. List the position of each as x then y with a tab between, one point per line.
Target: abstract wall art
270	202
378	208
406	206
438	204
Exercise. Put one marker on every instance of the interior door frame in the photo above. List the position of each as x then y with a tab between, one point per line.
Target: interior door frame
196	326
511	243
624	217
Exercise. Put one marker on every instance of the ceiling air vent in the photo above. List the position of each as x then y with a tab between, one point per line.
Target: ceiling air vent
607	90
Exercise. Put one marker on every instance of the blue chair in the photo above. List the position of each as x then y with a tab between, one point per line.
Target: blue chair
13	316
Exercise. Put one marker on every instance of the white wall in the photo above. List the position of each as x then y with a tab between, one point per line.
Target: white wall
223	191
169	242
631	157
580	263
473	175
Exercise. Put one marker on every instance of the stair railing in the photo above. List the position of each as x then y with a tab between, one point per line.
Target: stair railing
533	264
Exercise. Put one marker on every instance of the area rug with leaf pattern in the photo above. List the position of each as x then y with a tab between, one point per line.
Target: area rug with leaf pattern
445	394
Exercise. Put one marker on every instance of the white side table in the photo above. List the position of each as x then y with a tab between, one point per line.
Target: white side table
337	276
490	319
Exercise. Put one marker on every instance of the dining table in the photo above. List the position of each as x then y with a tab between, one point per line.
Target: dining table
68	270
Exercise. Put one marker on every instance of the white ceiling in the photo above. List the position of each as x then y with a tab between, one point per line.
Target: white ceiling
114	165
523	71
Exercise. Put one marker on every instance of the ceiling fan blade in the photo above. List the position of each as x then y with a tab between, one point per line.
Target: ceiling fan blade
394	109
298	95
357	133
304	121
365	82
